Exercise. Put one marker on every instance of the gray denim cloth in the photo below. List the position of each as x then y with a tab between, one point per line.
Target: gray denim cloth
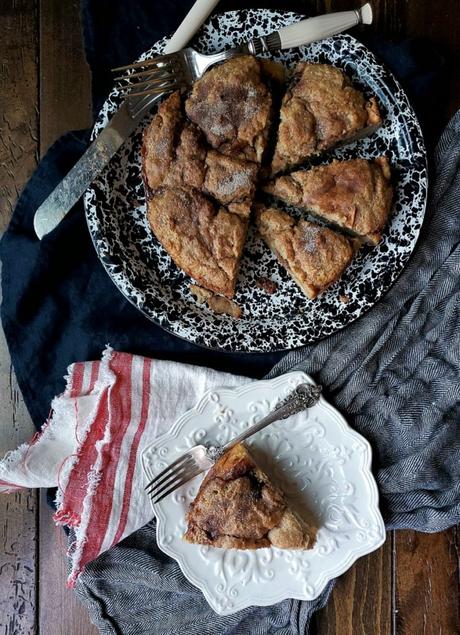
394	374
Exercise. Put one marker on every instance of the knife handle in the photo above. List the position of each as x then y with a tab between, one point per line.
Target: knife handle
313	29
190	25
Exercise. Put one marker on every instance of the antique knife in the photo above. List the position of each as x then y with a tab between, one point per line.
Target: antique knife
123	123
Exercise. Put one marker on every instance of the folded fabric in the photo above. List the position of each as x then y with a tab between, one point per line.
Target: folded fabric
90	447
395	374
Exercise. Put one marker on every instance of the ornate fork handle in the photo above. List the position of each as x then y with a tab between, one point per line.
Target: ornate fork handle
303	397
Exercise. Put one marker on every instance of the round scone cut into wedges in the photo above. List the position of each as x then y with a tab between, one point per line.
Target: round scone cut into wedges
314	256
203	155
238	507
355	195
320	110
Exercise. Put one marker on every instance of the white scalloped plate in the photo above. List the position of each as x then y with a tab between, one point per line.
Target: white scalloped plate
322	465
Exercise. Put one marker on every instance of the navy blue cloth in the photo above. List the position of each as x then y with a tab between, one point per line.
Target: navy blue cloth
59	305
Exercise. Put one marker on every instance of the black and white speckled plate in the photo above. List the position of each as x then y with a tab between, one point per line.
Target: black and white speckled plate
145	274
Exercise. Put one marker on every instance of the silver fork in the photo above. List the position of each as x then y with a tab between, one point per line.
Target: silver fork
201	457
166	73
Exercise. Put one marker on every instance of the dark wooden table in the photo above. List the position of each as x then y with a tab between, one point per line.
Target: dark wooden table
411	585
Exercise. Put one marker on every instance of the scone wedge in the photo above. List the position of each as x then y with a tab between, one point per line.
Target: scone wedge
204	239
314	256
356	195
319	110
238	507
232	105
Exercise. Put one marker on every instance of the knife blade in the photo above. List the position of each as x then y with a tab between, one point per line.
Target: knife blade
74	184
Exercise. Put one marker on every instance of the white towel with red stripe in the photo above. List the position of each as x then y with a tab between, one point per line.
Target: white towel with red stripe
90	447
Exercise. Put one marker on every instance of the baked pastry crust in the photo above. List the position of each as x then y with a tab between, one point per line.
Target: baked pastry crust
355	194
175	154
232	105
319	110
187	185
229	180
203	239
159	142
237	507
315	256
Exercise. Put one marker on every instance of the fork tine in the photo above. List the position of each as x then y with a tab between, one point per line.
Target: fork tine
180	459
174	482
188	477
170	475
168	77
150	87
166	88
148	62
166	69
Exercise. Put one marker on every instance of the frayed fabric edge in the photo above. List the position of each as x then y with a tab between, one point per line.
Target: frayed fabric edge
94	478
105	380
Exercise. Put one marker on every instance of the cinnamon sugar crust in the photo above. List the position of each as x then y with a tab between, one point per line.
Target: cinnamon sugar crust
355	195
229	180
238	507
203	239
175	154
232	105
315	256
159	142
319	110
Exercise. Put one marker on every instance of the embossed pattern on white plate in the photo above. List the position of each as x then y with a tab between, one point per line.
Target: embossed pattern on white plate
321	464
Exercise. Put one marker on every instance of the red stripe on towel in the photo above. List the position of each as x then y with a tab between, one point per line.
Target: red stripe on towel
11	486
120	416
94	375
77	379
133	452
77	485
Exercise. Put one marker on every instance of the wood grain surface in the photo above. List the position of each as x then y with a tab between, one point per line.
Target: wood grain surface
410	586
65	98
370	580
18	157
59	612
426	589
65	104
44	92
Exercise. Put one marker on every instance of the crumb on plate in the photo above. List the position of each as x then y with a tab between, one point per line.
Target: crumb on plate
216	303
